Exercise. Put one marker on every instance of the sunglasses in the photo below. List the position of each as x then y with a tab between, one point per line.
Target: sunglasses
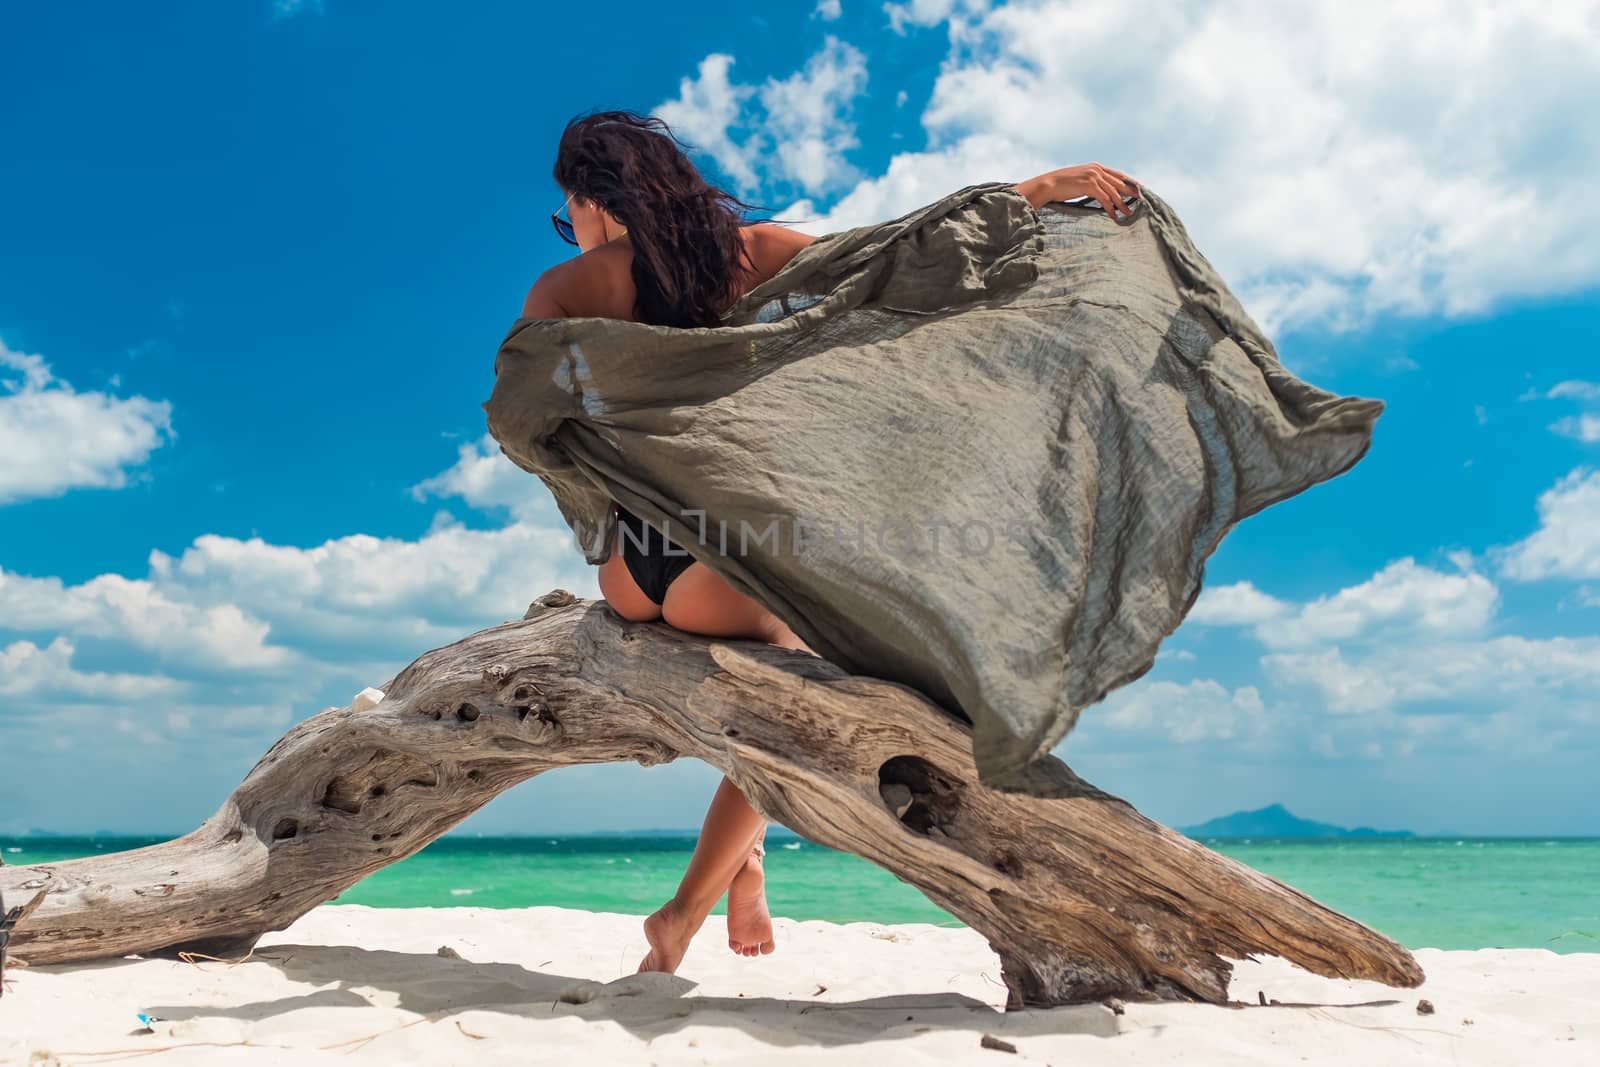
563	227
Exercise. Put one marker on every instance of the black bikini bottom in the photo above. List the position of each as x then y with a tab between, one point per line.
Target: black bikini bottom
649	562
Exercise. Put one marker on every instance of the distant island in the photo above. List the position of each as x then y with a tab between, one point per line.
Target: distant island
1275	820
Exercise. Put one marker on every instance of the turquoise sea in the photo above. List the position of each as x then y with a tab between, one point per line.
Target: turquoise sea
1458	893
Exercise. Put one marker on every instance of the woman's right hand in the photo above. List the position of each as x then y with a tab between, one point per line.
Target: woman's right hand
1106	184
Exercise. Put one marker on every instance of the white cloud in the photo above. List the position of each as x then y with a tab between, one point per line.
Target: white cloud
1411	645
799	133
486	479
1577	390
394	593
1403	598
928	12
54	438
1470	674
28	670
216	649
808	117
1332	168
1239	604
1567	543
827	10
269	622
1184	713
141	614
1585	428
706	110
915	178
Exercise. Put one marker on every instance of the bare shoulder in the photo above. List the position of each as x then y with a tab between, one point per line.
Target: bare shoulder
599	282
542	301
772	246
586	284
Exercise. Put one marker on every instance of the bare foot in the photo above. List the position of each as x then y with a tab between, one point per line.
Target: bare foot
668	932
749	924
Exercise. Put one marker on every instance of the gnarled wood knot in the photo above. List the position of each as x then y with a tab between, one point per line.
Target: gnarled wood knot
556	598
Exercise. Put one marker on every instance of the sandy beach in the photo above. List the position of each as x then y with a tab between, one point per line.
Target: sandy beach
552	985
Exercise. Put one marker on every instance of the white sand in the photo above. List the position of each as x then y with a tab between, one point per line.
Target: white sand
351	983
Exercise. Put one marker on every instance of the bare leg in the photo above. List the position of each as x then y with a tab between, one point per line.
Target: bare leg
727	855
749	921
731	829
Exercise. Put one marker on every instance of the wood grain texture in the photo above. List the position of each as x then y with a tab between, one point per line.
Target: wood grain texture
1081	896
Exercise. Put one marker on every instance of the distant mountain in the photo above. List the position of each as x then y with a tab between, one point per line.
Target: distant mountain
1275	820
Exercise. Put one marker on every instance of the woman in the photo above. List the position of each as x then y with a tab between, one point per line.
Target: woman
661	245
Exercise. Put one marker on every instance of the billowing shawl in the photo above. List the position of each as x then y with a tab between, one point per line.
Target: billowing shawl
983	450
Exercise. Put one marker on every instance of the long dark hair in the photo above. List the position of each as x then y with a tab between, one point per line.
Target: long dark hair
687	252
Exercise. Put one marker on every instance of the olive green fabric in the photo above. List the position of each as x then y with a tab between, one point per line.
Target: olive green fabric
1083	396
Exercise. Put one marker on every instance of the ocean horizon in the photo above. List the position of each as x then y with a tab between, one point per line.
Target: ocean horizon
1450	892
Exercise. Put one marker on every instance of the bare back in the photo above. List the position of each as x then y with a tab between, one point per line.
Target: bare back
600	281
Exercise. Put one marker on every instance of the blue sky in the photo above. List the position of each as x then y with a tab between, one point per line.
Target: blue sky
255	260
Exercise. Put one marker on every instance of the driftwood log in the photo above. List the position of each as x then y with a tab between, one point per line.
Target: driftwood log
1081	896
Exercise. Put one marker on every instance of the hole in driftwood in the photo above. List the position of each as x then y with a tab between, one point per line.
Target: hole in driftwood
349	792
343	795
285	829
473	776
467	713
1007	864
539	710
922	796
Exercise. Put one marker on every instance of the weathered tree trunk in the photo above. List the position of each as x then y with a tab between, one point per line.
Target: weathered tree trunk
1082	897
